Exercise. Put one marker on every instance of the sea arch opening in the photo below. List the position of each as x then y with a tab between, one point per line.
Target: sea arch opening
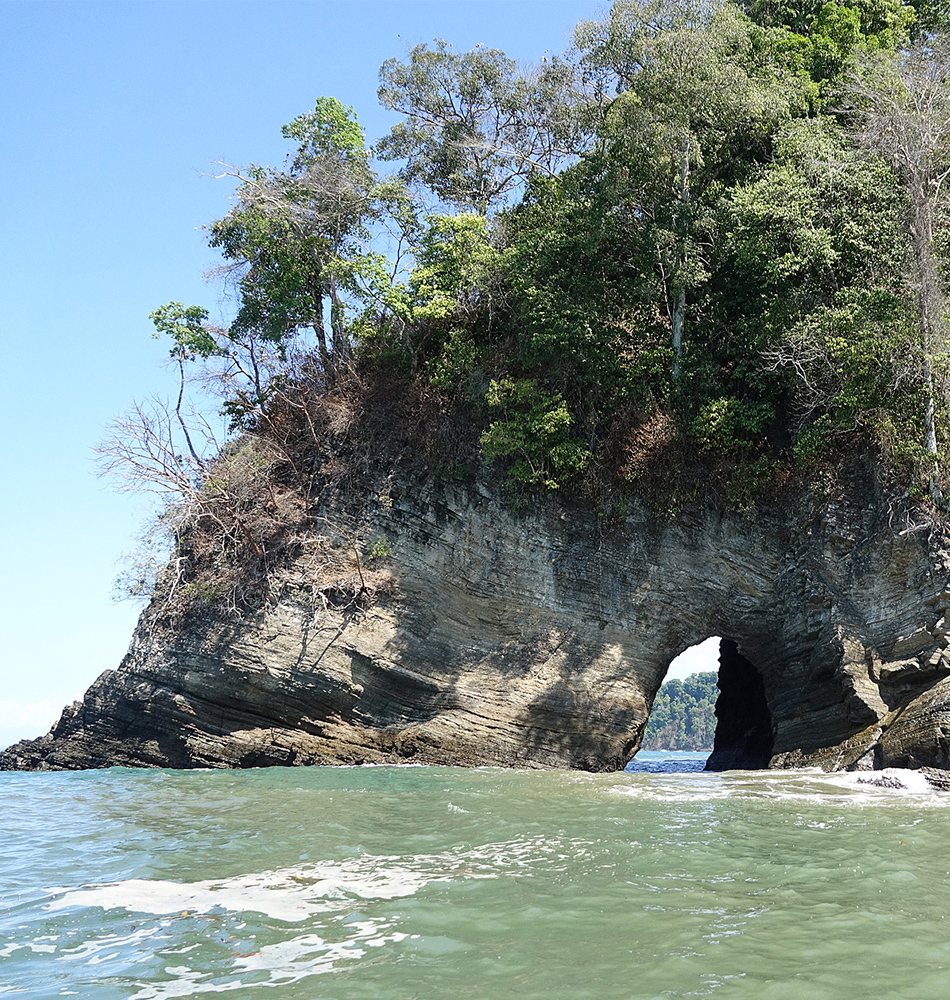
742	731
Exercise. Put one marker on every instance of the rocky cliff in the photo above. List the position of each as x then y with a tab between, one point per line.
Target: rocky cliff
471	634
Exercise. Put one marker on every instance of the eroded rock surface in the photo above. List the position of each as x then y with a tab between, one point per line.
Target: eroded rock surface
540	639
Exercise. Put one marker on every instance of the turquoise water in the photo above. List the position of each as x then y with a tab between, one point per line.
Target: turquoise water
418	882
667	761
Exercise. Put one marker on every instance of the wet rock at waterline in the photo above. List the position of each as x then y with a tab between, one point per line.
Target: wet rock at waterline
539	639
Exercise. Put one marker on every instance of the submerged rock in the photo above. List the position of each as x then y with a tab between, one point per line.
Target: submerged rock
482	636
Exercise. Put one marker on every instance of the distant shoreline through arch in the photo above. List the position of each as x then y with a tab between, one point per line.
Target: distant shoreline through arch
742	732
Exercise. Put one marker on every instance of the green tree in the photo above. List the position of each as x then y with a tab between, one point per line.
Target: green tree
904	114
806	288
534	431
691	94
298	239
820	37
454	260
581	293
475	125
932	16
452	295
683	715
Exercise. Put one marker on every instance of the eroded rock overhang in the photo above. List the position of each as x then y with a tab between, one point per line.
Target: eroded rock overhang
539	638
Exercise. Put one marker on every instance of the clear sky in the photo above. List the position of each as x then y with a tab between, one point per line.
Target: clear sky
703	656
112	118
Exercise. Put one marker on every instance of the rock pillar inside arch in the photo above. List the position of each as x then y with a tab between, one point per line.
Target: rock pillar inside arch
743	721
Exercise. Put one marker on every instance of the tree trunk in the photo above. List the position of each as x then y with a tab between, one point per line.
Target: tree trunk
679	314
340	346
930	306
316	321
678	317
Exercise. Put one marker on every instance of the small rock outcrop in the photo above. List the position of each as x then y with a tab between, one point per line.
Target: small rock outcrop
469	634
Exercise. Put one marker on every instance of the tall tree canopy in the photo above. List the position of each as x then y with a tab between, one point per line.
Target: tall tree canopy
701	252
694	99
475	126
297	240
903	114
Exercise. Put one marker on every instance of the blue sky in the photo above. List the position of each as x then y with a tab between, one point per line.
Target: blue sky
113	115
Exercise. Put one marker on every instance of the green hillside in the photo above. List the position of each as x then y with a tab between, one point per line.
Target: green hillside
683	715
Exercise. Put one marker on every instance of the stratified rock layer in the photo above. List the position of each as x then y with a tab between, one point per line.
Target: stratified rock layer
540	639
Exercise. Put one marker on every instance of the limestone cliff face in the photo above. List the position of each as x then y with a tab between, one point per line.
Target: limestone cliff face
540	639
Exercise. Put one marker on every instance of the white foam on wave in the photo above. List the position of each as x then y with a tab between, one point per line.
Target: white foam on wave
894	779
298	893
658	787
293	895
890	786
284	963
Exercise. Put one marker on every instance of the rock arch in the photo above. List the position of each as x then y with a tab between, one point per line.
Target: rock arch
539	638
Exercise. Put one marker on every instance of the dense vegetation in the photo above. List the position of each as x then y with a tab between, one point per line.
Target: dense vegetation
683	716
703	254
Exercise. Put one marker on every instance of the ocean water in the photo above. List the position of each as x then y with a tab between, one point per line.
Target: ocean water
423	882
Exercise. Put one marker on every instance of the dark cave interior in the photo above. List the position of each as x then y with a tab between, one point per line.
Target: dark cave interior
743	722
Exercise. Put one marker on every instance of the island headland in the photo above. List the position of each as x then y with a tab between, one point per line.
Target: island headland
641	345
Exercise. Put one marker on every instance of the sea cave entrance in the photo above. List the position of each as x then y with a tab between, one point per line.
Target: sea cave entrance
737	736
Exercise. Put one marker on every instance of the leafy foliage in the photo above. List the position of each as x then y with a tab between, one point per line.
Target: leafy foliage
475	125
535	432
817	38
298	239
698	255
